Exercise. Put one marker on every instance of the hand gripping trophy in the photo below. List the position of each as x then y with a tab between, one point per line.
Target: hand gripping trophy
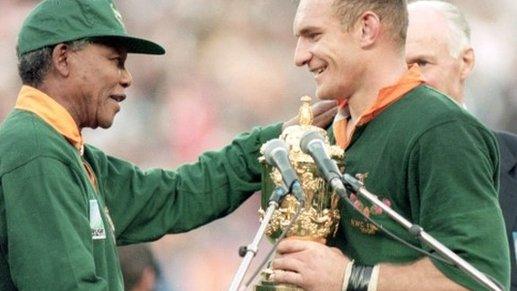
319	217
287	169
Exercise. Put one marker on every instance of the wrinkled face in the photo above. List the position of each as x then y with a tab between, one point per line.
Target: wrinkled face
101	79
329	52
428	46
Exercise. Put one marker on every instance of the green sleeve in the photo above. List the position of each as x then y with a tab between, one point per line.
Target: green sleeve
454	175
145	205
49	238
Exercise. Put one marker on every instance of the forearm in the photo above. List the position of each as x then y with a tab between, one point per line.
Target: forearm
419	275
148	204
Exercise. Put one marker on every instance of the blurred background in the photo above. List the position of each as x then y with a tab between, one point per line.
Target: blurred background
228	68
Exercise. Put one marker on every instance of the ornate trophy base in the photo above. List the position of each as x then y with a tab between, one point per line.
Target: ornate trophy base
320	215
269	286
266	285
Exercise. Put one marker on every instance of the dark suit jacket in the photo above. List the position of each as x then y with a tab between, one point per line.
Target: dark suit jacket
508	192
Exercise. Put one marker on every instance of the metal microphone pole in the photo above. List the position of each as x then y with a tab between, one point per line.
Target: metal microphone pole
354	185
248	252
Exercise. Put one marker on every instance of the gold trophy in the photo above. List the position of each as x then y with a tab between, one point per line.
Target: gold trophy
320	216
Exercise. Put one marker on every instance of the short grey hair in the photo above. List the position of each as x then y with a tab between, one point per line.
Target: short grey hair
459	28
34	66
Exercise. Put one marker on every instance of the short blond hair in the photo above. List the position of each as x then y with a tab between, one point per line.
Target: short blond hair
392	13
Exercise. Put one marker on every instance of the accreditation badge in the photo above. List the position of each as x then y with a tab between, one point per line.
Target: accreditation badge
96	223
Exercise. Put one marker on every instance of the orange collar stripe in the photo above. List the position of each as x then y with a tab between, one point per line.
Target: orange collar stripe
387	96
39	103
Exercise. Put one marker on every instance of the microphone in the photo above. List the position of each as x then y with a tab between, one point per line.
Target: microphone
312	144
277	155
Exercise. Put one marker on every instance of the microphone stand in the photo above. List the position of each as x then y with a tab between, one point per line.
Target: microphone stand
354	185
248	252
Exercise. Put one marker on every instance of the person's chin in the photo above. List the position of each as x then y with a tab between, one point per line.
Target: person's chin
105	126
321	94
106	123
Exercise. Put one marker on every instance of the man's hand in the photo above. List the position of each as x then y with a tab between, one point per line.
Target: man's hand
309	265
323	112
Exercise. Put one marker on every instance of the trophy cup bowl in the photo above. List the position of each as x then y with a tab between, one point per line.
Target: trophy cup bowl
320	216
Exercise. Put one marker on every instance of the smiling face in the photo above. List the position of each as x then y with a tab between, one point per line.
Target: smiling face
428	45
328	50
100	78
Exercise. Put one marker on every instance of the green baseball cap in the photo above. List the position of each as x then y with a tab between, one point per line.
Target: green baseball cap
56	21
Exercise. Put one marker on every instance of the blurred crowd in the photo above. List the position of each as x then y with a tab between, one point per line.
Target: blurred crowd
228	68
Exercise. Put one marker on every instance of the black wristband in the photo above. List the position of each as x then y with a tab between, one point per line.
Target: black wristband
359	278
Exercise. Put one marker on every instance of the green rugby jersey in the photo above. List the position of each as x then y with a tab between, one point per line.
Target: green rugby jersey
437	166
58	231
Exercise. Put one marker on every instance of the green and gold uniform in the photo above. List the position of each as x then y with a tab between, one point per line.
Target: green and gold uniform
437	166
62	213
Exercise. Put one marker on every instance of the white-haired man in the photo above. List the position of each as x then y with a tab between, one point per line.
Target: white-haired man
439	41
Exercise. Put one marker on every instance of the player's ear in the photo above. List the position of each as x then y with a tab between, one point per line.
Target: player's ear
369	24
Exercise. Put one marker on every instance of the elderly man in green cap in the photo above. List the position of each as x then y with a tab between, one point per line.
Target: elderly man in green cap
65	205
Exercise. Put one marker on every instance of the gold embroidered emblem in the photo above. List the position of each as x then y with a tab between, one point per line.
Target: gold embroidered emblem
361	176
361	223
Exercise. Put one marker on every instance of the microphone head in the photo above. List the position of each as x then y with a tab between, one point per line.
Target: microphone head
307	138
270	147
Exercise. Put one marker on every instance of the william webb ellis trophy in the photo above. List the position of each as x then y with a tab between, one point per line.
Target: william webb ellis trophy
319	217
